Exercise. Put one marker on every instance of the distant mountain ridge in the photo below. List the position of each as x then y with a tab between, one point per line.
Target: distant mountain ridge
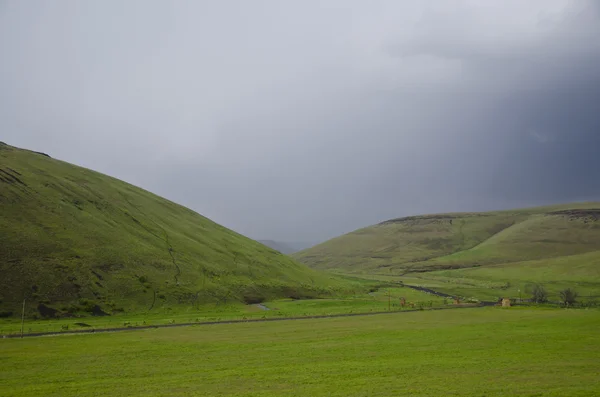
286	247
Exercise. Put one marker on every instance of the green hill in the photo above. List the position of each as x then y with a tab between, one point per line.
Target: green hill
461	240
74	240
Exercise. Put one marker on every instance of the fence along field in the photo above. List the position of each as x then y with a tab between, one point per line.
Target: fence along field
378	300
487	351
386	297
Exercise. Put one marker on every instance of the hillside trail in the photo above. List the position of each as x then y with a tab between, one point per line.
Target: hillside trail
170	249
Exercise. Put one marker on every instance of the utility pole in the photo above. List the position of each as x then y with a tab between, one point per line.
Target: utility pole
23	318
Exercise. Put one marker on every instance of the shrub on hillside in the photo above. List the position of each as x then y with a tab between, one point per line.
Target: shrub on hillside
568	297
539	294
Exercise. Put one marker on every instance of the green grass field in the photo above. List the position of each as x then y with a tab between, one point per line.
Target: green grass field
581	272
74	239
514	280
464	352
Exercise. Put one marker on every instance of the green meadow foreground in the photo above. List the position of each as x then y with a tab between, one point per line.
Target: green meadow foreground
464	352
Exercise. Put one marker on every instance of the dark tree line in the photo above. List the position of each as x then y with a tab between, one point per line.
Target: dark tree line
568	296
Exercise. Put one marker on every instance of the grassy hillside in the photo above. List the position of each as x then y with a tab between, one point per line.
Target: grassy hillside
449	241
581	272
75	240
514	280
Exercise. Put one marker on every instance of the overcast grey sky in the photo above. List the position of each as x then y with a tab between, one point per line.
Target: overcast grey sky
302	120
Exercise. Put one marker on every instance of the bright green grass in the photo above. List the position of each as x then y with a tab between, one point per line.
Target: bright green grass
442	241
479	255
539	237
468	352
73	238
378	301
514	280
581	272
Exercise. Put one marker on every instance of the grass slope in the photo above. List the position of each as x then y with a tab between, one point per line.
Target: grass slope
447	241
581	272
75	240
466	352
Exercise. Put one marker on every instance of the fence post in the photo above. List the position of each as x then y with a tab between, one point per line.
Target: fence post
23	318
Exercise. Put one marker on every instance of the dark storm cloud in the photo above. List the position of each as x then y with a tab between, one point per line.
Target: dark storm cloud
304	120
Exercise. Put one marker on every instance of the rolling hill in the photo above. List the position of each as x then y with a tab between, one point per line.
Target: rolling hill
74	240
462	240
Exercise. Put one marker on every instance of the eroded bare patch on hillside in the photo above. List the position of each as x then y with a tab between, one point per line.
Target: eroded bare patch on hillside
586	215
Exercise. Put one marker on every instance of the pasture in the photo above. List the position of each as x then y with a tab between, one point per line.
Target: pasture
465	352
